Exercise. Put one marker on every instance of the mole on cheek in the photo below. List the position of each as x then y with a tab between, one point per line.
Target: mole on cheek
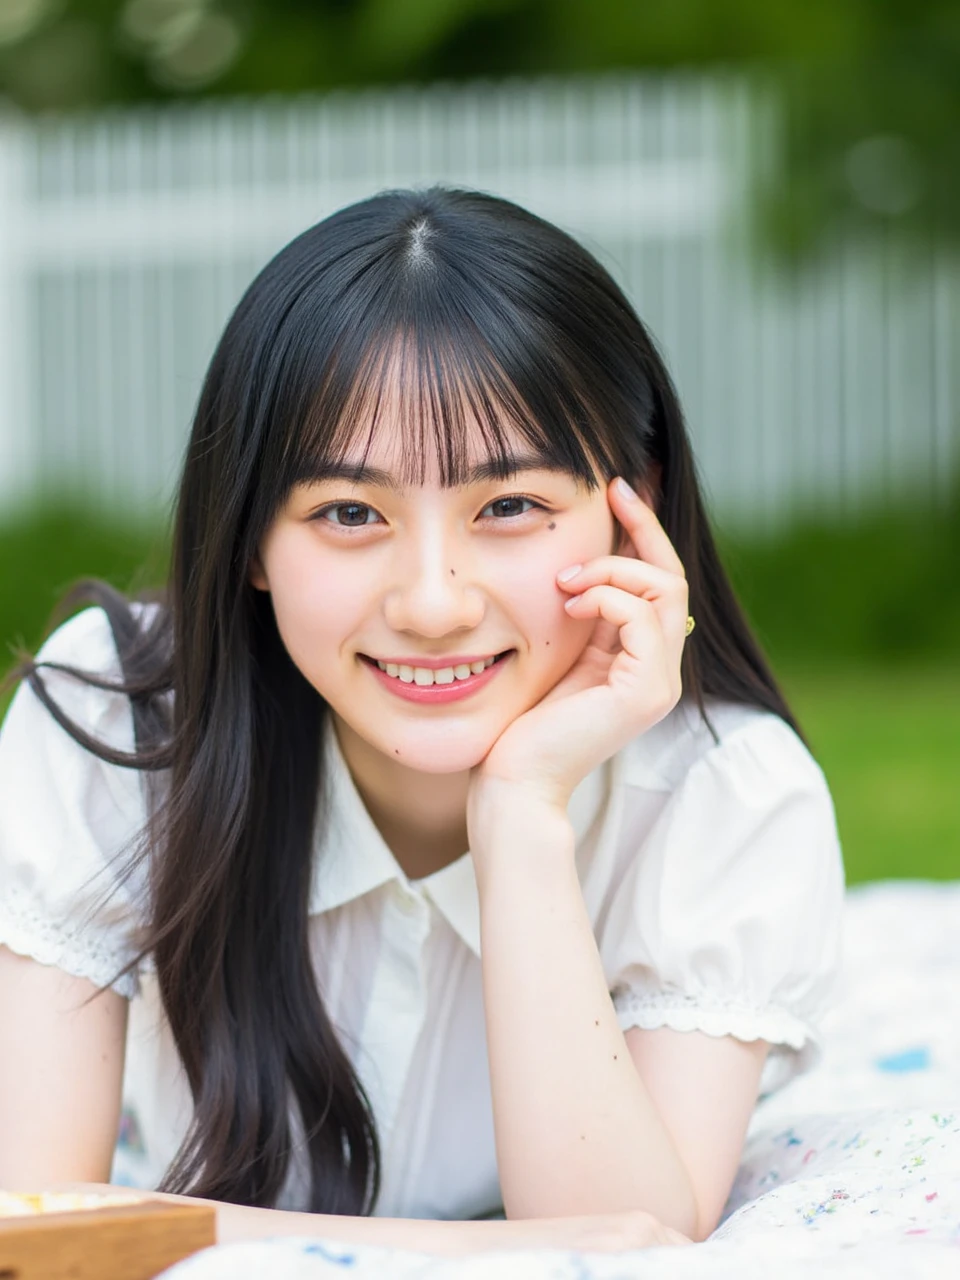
453	573
552	524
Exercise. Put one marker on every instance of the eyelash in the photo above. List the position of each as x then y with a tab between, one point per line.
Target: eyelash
333	506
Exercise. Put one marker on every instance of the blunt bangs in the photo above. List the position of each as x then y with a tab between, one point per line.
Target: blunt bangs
436	393
412	330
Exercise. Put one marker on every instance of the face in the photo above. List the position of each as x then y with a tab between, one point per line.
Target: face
363	571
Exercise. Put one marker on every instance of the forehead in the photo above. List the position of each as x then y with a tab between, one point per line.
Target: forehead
390	452
408	432
389	467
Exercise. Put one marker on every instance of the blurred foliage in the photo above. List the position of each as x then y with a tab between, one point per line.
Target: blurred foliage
868	138
883	588
46	550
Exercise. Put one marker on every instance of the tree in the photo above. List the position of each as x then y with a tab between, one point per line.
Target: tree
870	89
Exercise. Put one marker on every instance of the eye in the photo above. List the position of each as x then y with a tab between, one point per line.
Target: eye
353	515
355	519
508	505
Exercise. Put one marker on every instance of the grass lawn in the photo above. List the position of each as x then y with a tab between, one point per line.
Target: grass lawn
888	740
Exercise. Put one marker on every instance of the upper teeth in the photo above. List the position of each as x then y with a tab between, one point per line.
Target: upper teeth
426	675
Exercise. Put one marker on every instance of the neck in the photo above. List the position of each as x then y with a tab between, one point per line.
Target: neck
421	816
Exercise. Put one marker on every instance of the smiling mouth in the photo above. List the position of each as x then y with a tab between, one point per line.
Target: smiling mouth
425	677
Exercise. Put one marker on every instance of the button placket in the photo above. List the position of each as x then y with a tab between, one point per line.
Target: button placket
409	901
396	1013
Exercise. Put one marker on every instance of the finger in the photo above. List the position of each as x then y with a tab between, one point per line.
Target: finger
623	609
632	634
635	576
644	529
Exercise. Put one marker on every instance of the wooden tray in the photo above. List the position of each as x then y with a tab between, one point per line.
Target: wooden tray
119	1242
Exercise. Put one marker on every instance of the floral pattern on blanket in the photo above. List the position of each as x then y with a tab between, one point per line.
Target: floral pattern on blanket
895	1173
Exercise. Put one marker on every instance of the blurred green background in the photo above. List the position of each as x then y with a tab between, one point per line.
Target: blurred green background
859	611
882	71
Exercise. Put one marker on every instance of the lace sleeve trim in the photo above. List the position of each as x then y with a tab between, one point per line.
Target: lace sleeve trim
81	955
713	1016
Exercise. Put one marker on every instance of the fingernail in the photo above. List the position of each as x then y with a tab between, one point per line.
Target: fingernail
625	491
566	574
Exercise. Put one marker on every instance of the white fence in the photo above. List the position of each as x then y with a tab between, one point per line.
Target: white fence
127	237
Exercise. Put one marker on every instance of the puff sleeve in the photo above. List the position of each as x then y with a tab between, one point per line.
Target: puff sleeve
67	818
728	920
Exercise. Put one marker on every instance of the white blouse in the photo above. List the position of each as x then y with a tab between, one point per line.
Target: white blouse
711	872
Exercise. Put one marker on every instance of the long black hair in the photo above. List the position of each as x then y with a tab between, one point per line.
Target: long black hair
496	317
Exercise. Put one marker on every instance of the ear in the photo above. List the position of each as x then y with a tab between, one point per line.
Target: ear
256	575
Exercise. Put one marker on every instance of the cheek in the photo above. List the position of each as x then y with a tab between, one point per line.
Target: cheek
316	602
531	582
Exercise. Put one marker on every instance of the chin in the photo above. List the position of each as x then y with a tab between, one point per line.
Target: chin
443	756
435	748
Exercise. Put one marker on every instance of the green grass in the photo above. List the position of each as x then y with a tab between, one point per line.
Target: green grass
888	740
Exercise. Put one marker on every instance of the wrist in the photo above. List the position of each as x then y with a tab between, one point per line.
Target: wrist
516	830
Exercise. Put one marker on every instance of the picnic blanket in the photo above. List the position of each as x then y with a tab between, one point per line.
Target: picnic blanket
853	1169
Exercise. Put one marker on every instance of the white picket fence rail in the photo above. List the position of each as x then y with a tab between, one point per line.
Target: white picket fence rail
126	237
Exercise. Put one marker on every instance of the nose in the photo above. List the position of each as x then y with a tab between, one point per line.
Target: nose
434	592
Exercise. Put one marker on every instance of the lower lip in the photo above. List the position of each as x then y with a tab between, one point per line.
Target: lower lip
433	693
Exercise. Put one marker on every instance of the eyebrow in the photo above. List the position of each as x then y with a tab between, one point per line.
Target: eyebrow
490	469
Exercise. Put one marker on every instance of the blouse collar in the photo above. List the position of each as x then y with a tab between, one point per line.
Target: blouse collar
351	858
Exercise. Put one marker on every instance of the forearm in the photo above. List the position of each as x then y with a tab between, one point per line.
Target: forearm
450	1238
236	1222
576	1130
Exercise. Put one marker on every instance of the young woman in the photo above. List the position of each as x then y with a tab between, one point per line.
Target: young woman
441	842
